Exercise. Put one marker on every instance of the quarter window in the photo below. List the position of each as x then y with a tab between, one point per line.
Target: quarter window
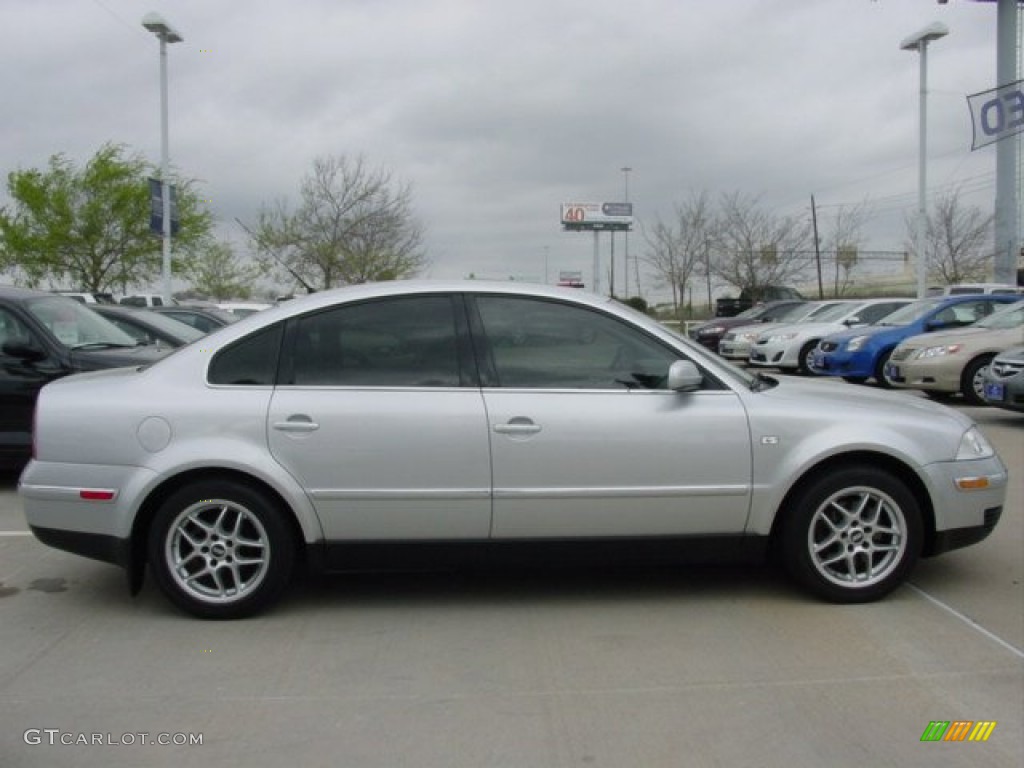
249	361
549	345
407	342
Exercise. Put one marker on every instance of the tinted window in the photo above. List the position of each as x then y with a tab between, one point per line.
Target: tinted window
252	360
406	342
548	345
875	312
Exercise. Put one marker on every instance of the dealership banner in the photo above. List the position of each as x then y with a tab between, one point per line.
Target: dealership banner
997	113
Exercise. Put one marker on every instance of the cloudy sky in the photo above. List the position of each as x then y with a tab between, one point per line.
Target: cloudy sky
498	112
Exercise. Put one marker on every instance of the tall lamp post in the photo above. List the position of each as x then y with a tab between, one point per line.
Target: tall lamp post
165	33
919	42
625	235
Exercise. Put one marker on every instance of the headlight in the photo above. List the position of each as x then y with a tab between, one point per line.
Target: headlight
973	445
946	349
780	337
714	329
857	342
748	336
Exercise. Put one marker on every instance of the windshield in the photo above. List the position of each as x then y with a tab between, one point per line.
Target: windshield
836	312
170	326
1004	319
75	325
911	313
796	312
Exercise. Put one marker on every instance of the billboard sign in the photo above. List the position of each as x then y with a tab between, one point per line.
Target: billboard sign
589	217
997	113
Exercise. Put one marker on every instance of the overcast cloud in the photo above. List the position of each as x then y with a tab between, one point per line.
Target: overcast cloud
496	113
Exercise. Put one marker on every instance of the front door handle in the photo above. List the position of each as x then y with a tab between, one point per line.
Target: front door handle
520	425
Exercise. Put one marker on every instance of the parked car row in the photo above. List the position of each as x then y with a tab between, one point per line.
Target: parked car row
941	345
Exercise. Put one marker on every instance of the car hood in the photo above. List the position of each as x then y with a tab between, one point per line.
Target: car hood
867	330
961	335
902	412
87	359
810	329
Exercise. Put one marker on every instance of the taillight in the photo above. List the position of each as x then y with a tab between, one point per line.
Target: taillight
35	426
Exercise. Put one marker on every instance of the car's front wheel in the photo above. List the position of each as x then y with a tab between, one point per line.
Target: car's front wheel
972	381
220	550
853	535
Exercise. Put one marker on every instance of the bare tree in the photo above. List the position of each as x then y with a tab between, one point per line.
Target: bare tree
955	240
676	249
756	248
353	224
843	238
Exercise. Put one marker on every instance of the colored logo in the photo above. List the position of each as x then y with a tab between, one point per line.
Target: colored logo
958	730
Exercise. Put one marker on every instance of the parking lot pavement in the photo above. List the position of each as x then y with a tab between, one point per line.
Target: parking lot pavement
692	666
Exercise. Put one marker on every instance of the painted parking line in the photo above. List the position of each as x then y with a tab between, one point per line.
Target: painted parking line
15	533
968	621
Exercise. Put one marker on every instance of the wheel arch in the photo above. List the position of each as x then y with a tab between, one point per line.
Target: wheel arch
156	497
882	461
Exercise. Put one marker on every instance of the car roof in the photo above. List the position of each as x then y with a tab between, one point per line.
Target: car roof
17	292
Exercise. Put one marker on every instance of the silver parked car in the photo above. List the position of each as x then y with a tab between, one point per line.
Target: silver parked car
402	422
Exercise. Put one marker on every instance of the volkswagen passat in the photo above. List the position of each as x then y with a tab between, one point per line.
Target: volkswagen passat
402	422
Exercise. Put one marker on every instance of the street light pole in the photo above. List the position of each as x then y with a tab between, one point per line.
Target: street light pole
919	42
625	235
165	34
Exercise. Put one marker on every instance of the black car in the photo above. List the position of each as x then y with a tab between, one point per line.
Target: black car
711	332
148	327
205	319
44	337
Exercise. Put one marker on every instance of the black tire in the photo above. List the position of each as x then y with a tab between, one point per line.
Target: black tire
803	364
220	549
880	379
852	536
972	381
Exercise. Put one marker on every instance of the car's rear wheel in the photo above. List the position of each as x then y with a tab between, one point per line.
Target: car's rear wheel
220	550
853	535
972	380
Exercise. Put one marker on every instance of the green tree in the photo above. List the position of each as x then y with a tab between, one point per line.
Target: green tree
88	228
353	224
217	272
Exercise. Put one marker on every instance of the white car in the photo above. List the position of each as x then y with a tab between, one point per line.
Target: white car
737	342
791	347
413	423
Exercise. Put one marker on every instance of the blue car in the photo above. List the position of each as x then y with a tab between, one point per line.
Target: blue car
862	353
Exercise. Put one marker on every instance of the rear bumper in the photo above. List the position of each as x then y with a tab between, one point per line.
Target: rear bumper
96	546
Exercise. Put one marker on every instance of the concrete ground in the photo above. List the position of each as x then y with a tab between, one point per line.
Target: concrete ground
689	667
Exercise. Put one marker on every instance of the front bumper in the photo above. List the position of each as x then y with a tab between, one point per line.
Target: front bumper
773	355
734	349
965	517
843	363
924	374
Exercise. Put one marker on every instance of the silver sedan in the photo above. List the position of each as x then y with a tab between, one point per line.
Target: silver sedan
409	422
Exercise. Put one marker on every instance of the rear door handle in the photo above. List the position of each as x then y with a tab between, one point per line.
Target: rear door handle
297	423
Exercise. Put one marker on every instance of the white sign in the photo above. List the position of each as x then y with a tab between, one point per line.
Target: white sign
997	113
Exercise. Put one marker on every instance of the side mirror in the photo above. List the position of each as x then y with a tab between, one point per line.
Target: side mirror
24	351
683	376
852	321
